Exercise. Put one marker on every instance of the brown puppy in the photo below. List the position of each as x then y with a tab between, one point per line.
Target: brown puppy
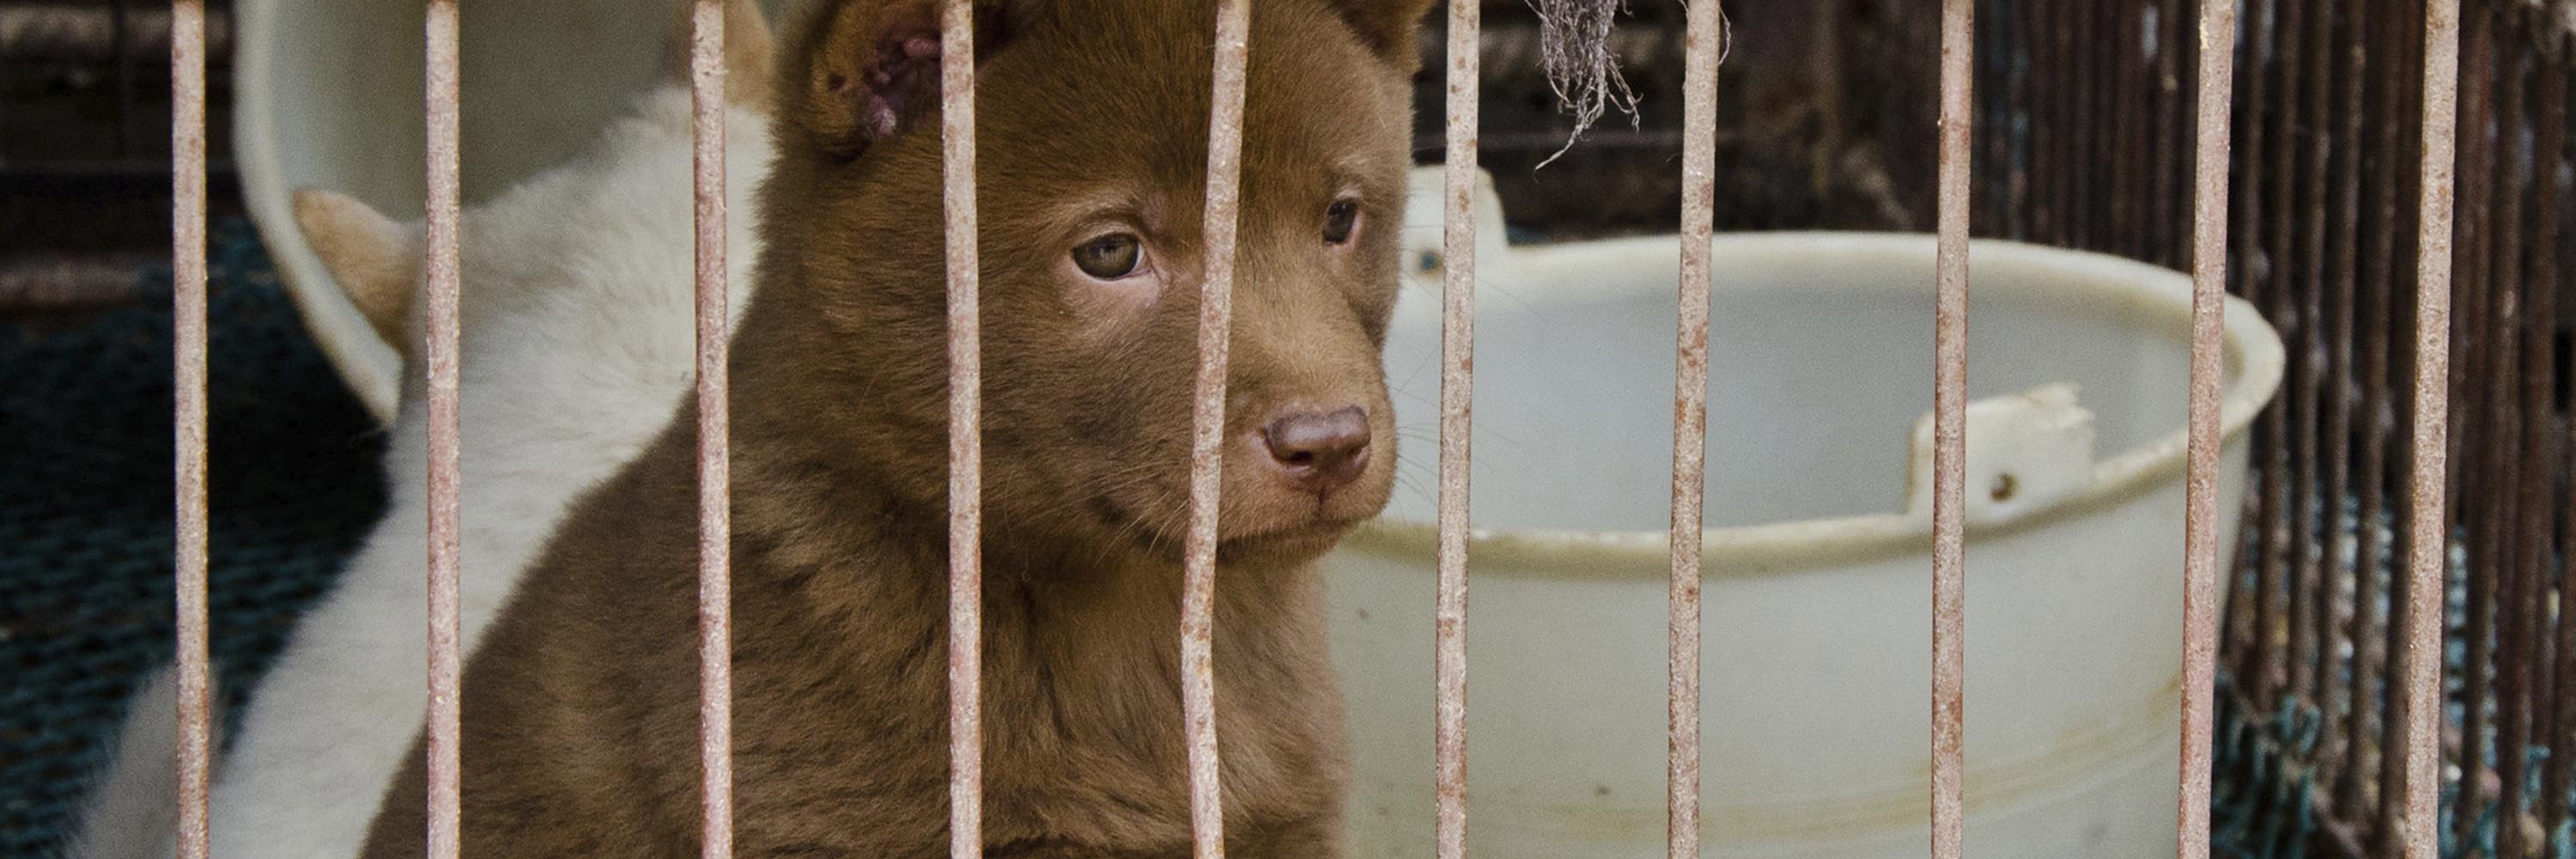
581	708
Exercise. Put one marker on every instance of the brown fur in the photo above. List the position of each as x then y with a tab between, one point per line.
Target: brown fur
581	707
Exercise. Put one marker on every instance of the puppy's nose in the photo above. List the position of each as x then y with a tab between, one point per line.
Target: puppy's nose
1319	451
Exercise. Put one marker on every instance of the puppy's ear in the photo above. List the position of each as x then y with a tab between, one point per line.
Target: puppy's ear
863	70
374	259
1389	27
747	50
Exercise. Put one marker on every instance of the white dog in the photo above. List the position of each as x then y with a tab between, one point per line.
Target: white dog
577	345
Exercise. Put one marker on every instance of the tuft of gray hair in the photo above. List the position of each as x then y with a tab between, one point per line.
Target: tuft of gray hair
1574	52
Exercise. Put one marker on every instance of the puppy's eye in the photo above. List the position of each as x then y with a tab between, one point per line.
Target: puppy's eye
1339	220
1109	257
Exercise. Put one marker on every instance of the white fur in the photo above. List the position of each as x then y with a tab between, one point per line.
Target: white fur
577	348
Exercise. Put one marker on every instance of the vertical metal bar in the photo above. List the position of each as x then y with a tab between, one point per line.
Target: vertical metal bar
2432	430
188	410
2067	104
2343	688
2473	322
2128	208
2257	674
1950	437
2082	89
2279	287
1704	39
715	522
2307	287
2504	418
1457	357
2545	272
2200	516
965	435
445	712
2020	162
2168	122
2404	176
2366	333
1216	318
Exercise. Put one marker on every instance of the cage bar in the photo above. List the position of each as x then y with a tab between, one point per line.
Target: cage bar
1457	401
1207	415
2410	40
2342	689
1704	41
2557	723
2426	545
2200	518
715	475
965	435
1950	438
440	288
188	414
2249	185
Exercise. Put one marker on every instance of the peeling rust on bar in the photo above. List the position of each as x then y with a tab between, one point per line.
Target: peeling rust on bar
1704	39
2431	431
1457	361
440	289
1216	313
188	414
715	522
2200	519
965	435
1950	451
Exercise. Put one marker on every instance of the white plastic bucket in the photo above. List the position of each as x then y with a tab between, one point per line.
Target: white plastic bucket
330	95
1816	673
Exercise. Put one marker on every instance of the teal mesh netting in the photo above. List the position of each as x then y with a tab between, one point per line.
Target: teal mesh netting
86	515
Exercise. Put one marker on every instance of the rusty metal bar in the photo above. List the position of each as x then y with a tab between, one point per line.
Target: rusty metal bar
188	413
2558	727
2017	159
2083	93
2065	102
2280	286
1705	38
2263	615
2342	690
440	287
1949	433
2128	145
2504	418
2395	352
965	434
2200	516
2306	288
1207	414
715	513
2471	442
1457	357
2168	106
2432	431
